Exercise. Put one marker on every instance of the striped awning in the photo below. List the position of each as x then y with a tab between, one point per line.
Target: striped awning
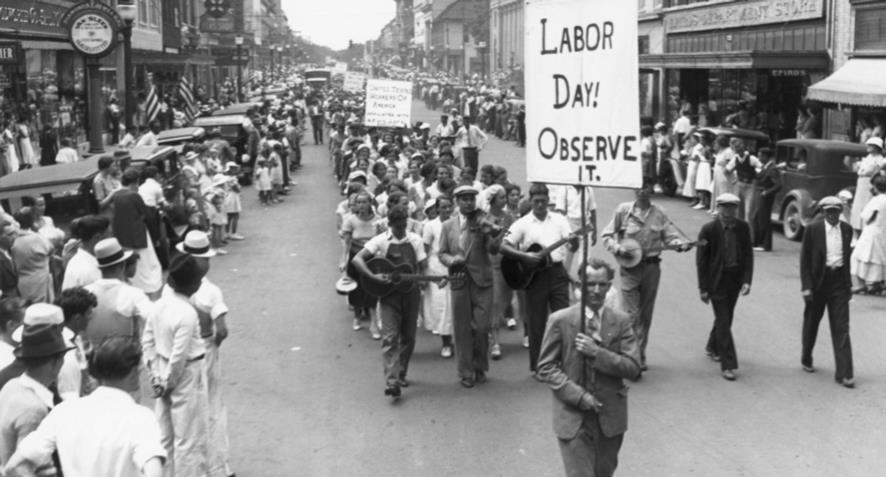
858	83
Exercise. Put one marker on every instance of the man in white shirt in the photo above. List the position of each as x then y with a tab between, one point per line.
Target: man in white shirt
444	129
104	446
66	154
549	290
682	126
567	201
470	140
212	312
175	352
150	137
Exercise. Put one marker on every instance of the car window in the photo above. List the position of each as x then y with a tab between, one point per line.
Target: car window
794	158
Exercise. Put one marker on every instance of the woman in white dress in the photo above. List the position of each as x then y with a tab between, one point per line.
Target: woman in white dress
869	256
866	168
436	305
723	179
9	142
691	168
703	182
29	157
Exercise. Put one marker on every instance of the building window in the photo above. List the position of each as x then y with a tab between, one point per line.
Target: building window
154	12
143	12
680	3
870	28
643	44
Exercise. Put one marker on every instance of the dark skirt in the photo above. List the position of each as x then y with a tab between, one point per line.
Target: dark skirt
358	298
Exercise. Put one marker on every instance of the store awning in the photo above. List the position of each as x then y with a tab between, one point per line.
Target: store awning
752	59
858	83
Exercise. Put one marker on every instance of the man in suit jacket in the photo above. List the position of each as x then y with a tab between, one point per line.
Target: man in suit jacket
725	265
824	273
464	243
8	275
584	357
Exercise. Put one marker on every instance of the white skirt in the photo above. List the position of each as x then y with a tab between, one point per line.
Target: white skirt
148	272
436	302
703	177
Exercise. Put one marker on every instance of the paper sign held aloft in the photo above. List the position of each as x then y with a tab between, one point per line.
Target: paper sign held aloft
388	103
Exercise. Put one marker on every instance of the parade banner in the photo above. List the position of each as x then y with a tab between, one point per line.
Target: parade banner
354	81
340	68
582	93
388	103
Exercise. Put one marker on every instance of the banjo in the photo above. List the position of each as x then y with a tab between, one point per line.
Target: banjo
633	251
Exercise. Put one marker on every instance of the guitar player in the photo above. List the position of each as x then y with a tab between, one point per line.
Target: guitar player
398	311
549	289
648	224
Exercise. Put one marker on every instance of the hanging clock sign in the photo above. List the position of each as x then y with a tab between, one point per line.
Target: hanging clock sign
93	29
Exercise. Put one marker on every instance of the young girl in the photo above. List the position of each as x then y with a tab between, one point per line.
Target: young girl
218	220
276	172
263	180
232	205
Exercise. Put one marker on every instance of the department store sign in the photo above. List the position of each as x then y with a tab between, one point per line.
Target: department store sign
743	14
29	16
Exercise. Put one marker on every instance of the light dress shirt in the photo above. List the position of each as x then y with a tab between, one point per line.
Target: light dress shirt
173	333
6	356
651	228
528	230
208	301
834	240
131	301
82	270
149	139
378	245
568	199
151	192
103	434
24	403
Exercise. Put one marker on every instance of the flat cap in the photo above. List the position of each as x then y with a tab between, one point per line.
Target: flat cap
465	190
728	199
830	202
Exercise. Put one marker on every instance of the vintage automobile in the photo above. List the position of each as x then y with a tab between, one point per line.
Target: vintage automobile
67	188
318	77
239	109
180	136
811	169
671	183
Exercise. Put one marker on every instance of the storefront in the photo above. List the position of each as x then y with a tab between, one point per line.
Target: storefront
746	61
42	80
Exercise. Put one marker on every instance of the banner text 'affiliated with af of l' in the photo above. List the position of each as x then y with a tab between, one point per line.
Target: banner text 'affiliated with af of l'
388	103
582	93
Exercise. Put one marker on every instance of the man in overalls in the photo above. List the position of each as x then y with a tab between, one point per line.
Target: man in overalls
398	311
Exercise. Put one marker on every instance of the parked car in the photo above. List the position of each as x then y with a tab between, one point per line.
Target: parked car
811	169
239	109
180	136
670	183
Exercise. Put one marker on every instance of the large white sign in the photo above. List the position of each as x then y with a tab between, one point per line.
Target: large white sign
340	68
582	93
388	103
354	81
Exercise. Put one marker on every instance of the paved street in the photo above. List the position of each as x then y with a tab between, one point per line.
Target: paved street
305	392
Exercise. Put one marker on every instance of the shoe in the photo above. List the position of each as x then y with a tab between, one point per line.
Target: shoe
403	383
808	369
496	352
693	204
446	352
714	356
699	206
847	382
392	390
236	237
357	326
760	249
644	368
512	324
526	342
221	251
729	375
467	382
375	335
479	377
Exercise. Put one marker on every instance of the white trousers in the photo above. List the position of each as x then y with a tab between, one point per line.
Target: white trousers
184	422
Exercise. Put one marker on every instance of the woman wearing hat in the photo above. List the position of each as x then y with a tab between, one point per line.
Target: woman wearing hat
869	256
866	168
692	156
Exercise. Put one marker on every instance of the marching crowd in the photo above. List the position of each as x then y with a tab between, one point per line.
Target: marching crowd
110	330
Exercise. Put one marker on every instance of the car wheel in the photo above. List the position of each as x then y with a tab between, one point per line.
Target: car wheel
792	224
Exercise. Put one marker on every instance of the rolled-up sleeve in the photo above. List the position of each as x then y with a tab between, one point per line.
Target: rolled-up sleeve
147	442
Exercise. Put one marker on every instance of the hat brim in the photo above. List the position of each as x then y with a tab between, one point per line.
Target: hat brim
181	248
345	285
19	352
16	334
126	255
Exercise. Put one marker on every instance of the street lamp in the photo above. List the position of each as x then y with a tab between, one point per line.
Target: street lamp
127	11
279	56
238	40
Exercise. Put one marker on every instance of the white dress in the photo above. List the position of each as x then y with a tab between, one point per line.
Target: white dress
703	175
436	306
26	146
869	255
867	167
691	174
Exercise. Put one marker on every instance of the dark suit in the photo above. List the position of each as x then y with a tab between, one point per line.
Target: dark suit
767	183
831	288
472	304
722	282
8	276
128	223
589	440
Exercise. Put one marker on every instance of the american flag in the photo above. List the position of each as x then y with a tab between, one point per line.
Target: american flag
152	105
187	95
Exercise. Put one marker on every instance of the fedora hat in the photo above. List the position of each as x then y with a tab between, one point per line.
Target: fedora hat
345	285
109	252
41	341
185	273
196	244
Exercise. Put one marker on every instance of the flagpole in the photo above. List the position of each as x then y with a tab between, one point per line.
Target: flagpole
583	278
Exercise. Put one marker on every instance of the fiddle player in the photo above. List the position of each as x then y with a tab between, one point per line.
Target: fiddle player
398	311
468	240
549	289
648	224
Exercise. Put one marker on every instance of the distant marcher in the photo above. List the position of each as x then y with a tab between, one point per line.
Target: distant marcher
767	184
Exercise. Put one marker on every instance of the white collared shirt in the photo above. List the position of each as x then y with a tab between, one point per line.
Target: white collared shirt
151	192
6	356
40	390
173	333
378	245
82	270
834	241
105	433
528	230
568	199
208	299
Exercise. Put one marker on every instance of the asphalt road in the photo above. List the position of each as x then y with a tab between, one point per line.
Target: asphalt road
305	392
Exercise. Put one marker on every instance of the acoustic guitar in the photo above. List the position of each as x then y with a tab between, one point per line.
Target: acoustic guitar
518	275
633	251
401	278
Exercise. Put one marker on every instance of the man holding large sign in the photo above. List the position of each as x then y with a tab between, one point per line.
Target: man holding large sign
388	103
582	114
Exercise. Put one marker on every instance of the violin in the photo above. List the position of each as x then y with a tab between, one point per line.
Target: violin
484	225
